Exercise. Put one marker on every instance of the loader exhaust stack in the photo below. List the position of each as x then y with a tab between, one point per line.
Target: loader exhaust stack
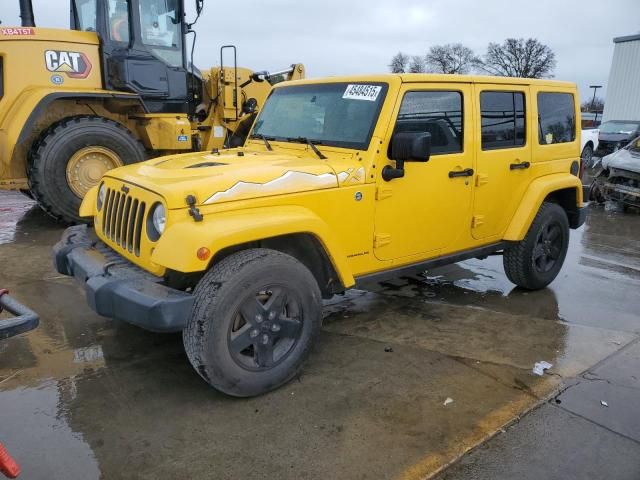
26	13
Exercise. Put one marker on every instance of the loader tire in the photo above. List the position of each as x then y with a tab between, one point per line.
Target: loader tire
70	157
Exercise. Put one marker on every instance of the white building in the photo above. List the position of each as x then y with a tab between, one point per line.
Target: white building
623	88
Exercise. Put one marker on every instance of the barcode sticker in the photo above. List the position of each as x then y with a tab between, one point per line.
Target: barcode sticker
362	92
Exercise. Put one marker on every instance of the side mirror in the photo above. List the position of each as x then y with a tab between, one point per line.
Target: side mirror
407	147
250	106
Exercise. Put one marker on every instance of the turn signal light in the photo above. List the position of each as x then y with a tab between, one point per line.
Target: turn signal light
203	253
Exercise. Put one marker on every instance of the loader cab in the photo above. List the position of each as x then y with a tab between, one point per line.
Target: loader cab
143	49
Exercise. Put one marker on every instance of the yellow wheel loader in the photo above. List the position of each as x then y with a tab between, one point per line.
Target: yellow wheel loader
116	88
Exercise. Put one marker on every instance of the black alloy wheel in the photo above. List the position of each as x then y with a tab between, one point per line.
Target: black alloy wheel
548	248
266	328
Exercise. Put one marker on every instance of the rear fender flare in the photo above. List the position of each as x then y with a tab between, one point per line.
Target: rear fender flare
537	192
48	99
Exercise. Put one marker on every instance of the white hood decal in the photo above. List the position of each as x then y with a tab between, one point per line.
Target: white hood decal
291	181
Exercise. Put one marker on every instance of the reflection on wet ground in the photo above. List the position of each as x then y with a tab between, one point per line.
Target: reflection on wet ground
86	397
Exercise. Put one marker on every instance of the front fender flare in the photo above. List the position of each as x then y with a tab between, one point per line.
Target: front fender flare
88	205
538	190
179	244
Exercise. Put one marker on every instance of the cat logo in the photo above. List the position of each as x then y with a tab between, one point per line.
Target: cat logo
73	64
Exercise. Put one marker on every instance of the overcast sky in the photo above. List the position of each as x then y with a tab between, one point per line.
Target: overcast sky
334	37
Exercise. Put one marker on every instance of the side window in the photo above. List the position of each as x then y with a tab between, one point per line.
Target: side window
86	15
436	112
119	21
161	29
556	118
503	120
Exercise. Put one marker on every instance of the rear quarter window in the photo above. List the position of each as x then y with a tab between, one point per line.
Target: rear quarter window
556	118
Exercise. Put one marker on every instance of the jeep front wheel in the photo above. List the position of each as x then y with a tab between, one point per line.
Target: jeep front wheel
534	262
254	319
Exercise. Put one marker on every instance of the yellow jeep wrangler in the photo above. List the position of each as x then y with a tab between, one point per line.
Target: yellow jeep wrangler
341	180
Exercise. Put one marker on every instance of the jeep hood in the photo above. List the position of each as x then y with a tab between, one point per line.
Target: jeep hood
237	175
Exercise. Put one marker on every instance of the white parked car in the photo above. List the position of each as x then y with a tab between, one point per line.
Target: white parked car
589	145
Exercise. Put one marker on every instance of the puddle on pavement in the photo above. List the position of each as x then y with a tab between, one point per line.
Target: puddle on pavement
35	431
104	393
22	221
13	206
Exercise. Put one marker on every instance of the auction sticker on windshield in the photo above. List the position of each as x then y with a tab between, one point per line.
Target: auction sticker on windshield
362	92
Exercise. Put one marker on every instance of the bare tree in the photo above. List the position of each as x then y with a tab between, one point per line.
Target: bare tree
596	106
450	58
399	63
417	64
517	57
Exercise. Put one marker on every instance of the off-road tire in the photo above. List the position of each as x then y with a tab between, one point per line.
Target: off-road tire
518	259
47	162
218	298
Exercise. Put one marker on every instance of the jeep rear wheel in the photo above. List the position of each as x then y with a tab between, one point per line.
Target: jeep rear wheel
254	319
71	157
534	262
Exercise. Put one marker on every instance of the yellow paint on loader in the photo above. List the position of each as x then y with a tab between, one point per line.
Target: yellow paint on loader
49	75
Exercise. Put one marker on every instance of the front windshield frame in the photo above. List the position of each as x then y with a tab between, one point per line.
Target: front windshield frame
621	127
363	145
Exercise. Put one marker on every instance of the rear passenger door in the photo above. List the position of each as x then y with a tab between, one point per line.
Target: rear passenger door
503	157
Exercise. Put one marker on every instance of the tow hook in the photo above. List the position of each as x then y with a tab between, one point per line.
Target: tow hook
193	210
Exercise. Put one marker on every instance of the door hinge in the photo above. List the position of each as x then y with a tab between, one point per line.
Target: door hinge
482	179
382	193
381	239
477	220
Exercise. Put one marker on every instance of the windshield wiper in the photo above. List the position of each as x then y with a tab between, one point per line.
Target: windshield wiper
264	139
311	145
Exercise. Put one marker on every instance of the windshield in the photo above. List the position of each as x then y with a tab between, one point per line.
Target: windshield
619	127
337	114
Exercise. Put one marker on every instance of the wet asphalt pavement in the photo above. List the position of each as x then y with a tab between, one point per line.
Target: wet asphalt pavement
84	397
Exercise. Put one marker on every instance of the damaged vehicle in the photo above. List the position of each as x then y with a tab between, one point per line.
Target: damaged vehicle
616	134
619	179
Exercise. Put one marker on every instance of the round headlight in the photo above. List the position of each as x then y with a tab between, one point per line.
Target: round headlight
102	193
159	218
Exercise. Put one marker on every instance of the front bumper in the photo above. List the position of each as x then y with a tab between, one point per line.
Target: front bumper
624	194
118	289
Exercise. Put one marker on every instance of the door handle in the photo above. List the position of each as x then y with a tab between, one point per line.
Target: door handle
467	172
519	166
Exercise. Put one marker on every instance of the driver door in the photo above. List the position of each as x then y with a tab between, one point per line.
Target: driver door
428	211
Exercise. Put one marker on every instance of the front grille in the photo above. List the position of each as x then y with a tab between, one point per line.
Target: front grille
123	220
